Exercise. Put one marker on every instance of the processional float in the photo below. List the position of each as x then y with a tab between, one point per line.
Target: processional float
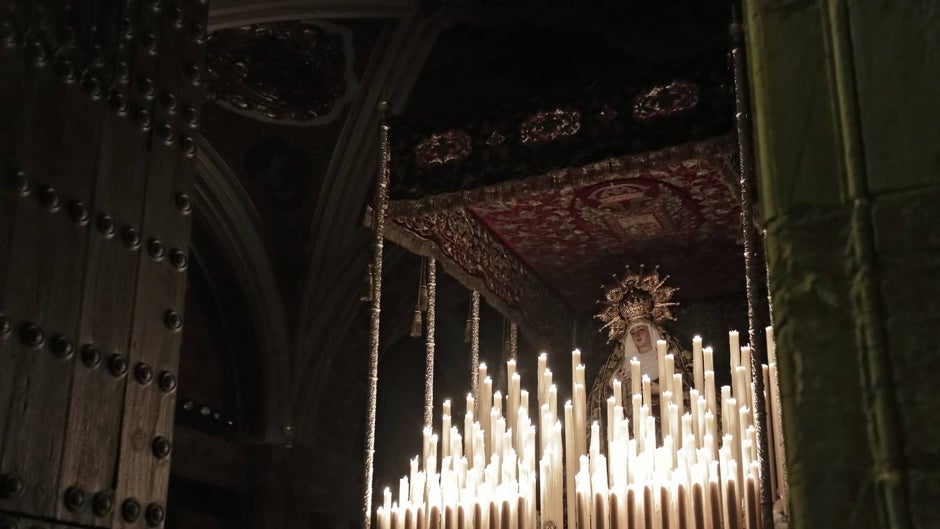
701	457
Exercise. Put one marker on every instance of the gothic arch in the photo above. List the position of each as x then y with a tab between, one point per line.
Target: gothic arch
223	206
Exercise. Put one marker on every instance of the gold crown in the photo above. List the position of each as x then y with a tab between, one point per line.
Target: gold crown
636	296
636	305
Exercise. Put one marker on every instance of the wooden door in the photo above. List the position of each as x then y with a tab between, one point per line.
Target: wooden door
99	102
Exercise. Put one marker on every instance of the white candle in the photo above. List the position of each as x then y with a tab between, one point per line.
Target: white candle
714	504
570	462
580	417
748	375
618	510
414	495
750	504
732	502
771	346
710	395
711	427
510	373
665	377
678	398
636	401
468	434
493	437
549	380
403	491
664	509
456	443
634	376
553	400
698	418
578	412
677	390
508	515
661	348
688	432
387	500
385	518
618	394
725	397
601	514
698	371
579	373
674	430
649	508
426	444
735	430
734	346
770	433
445	431
740	385
431	467
611	403
778	432
486	403
745	428
665	399
512	398
647	391
542	386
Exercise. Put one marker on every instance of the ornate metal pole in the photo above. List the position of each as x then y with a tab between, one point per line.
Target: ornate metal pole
380	209
746	169
513	340
429	344
475	346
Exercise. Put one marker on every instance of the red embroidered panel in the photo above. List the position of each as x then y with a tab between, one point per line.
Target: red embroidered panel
574	235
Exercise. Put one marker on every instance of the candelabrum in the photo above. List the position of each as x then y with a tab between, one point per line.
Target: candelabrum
696	467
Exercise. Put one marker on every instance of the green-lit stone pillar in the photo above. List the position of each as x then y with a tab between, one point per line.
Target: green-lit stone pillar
846	102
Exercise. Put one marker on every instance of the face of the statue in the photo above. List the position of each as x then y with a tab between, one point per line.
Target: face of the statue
641	338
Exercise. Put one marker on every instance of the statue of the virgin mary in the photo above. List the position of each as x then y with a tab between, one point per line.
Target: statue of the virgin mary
634	311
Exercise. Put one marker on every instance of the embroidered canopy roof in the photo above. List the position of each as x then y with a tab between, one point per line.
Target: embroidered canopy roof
540	248
538	203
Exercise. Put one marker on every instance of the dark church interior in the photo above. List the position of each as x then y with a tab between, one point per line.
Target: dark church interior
250	248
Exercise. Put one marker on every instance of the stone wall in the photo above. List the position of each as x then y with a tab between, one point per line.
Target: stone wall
847	120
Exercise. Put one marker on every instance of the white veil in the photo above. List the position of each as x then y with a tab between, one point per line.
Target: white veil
648	361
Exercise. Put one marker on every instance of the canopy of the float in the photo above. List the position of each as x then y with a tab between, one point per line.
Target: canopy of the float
538	249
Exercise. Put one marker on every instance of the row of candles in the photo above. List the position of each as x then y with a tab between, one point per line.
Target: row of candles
698	470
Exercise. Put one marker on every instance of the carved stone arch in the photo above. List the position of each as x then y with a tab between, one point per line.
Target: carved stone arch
224	208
